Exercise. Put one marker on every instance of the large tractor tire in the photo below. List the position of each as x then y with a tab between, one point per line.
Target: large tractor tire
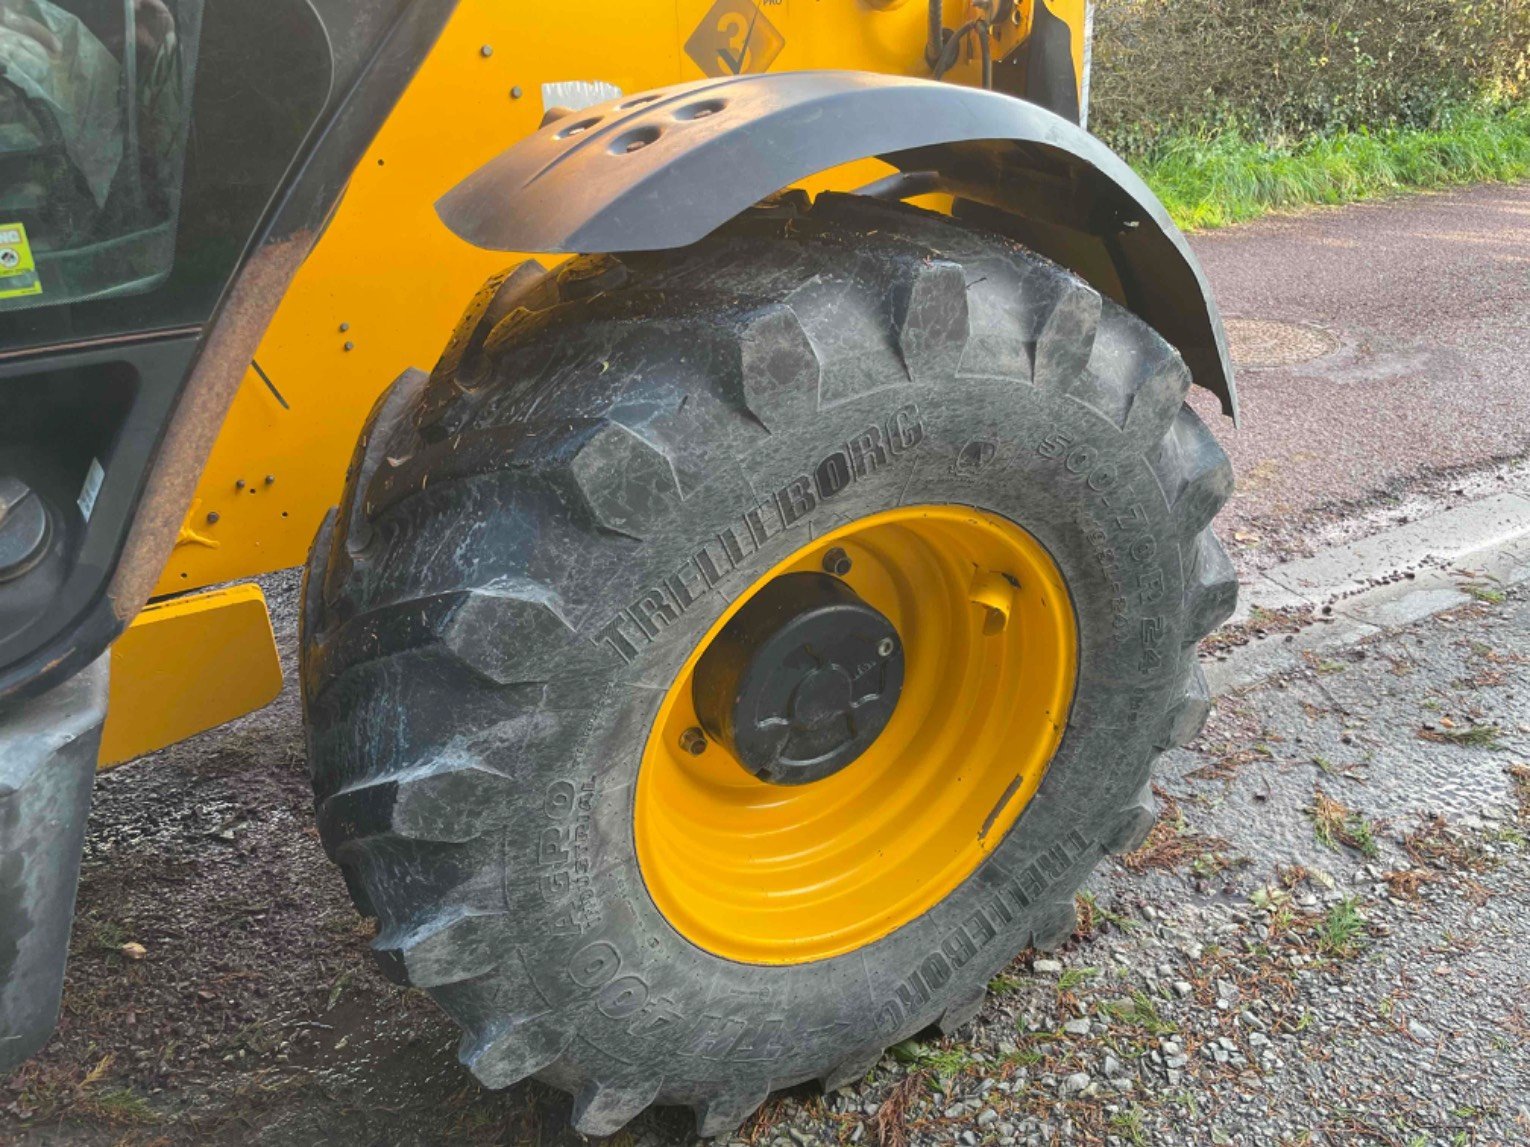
729	658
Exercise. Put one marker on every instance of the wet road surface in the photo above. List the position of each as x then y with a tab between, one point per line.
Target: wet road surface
1420	311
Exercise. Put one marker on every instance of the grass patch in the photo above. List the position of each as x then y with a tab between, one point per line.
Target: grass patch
1129	1125
1022	1057
1218	180
337	989
1003	984
1091	912
46	1092
1485	593
1511	837
1075	978
1339	932
1475	737
945	1062
1334	823
118	1105
106	935
1140	1011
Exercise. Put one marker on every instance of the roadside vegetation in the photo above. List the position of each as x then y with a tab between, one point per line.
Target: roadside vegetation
1213	180
1231	110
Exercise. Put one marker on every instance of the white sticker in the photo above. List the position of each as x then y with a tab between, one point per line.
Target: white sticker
87	499
576	95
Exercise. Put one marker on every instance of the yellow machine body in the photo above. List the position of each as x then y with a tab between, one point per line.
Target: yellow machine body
187	664
387	281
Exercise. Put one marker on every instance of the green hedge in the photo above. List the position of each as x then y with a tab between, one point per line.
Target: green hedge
1280	70
1210	181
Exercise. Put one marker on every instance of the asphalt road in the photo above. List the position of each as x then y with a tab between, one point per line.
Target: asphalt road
1421	309
1325	941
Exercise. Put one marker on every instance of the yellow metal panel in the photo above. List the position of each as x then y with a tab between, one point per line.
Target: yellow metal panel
387	282
387	279
186	665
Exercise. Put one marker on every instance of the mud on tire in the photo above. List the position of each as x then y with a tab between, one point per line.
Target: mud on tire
492	616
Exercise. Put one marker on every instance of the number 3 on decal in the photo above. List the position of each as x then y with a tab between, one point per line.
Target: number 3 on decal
734	29
733	39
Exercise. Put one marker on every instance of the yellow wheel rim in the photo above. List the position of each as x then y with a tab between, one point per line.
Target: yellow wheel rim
787	874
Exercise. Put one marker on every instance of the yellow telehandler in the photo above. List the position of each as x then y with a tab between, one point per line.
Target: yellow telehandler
750	629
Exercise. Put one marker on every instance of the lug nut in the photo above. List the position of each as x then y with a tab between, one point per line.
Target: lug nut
885	647
693	741
836	562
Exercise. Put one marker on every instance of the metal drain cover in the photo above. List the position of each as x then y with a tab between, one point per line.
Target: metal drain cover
1266	342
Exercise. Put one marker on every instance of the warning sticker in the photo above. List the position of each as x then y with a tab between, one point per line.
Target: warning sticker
91	490
18	273
734	38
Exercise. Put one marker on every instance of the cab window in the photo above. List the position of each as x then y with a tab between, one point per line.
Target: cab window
95	105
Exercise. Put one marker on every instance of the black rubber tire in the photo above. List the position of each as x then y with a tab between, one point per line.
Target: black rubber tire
492	616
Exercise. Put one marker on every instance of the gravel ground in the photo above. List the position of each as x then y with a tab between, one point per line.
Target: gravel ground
1325	940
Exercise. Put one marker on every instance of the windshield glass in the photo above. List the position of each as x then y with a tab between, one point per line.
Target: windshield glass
95	99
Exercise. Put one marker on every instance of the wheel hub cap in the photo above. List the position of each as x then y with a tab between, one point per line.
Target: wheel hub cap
801	681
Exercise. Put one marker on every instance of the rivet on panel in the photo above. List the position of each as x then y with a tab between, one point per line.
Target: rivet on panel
486	51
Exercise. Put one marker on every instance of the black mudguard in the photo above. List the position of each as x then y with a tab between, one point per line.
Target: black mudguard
662	169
